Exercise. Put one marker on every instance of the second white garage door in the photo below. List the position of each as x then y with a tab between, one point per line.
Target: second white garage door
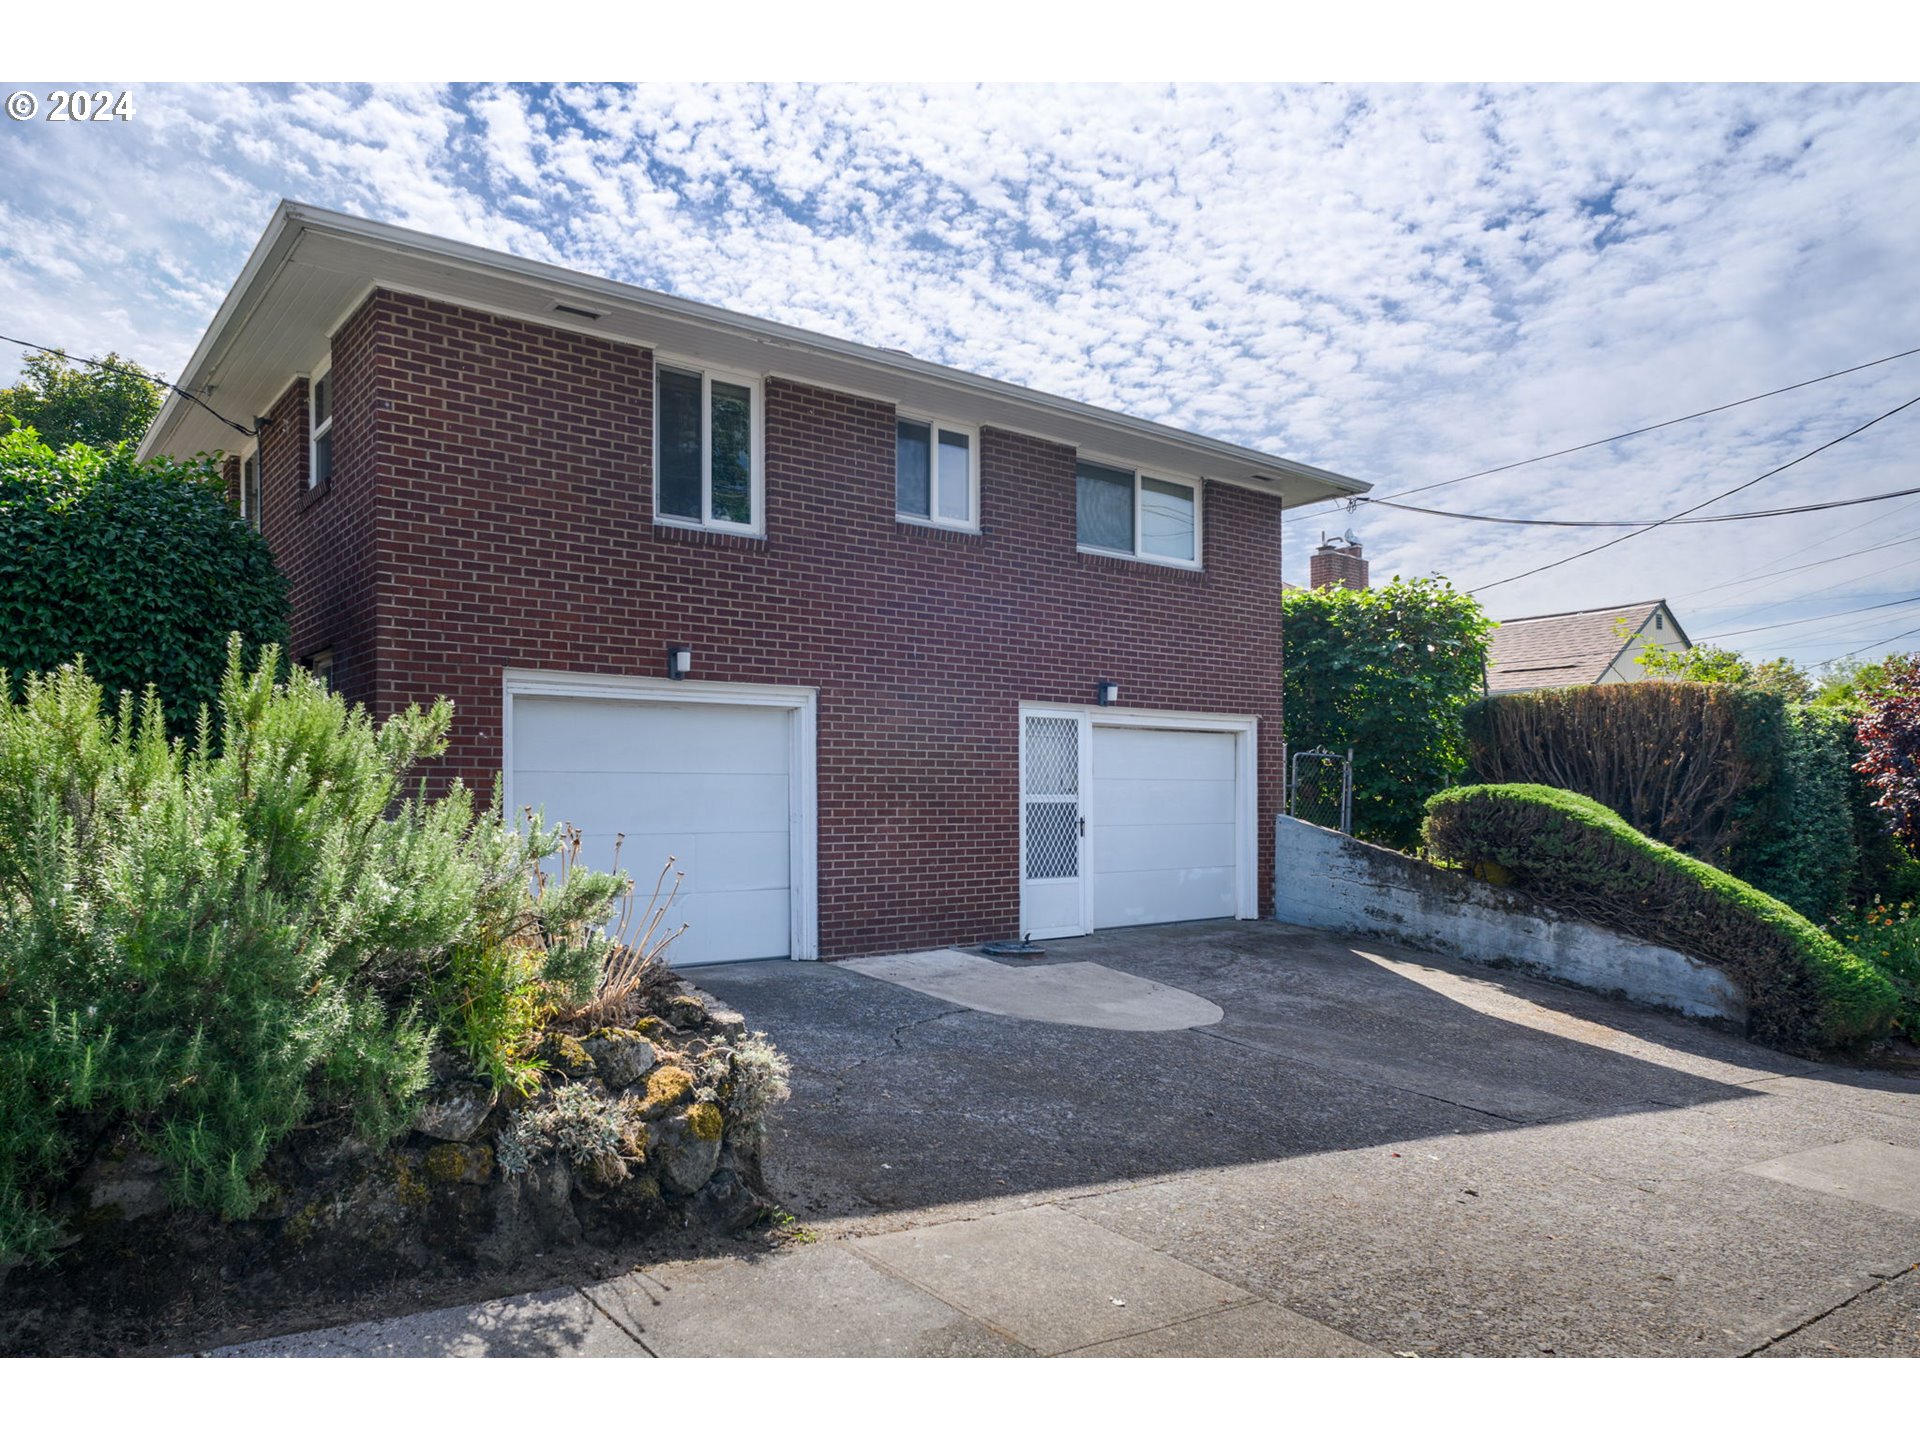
708	783
1165	841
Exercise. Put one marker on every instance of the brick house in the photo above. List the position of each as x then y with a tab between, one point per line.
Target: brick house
887	655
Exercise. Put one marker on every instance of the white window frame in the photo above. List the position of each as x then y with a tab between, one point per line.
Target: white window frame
1190	482
251	456
317	430
757	488
934	426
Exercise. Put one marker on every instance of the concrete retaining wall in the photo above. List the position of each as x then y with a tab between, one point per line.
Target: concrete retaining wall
1333	882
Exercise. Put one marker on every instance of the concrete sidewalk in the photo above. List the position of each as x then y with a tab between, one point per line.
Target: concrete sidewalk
1034	1281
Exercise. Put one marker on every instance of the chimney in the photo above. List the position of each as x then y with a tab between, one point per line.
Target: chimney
1337	562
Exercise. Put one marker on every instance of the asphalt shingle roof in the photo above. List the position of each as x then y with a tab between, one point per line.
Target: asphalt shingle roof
1574	648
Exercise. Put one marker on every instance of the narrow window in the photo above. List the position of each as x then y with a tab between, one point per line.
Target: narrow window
935	473
250	489
1106	507
320	401
320	666
706	449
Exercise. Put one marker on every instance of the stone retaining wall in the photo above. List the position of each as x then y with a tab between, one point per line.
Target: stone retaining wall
1334	882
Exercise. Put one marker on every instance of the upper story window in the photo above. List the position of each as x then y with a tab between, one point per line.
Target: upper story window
707	455
936	473
1123	512
320	428
250	488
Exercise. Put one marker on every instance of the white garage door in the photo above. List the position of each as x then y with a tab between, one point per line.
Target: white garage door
710	784
1164	837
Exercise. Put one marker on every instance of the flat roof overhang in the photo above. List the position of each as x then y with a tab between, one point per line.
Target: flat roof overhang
312	268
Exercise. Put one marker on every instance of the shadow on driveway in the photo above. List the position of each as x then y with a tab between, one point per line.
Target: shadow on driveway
1328	1043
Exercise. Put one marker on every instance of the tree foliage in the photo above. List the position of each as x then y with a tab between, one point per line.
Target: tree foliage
1710	664
98	405
1389	671
1889	734
143	569
213	942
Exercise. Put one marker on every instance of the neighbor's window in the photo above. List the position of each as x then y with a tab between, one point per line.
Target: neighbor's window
320	402
250	489
936	473
320	666
707	456
1132	514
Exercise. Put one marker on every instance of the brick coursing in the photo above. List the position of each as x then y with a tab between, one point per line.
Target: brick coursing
491	507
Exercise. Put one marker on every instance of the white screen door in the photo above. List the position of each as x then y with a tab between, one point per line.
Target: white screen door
1055	761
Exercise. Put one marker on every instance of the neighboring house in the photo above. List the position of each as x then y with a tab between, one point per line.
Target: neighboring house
959	660
1580	647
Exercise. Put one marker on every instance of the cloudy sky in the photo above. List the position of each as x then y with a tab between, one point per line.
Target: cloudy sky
1401	283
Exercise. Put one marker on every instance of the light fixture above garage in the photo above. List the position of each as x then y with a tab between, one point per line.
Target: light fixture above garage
1109	692
679	661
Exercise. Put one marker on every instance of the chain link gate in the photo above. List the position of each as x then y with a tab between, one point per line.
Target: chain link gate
1320	788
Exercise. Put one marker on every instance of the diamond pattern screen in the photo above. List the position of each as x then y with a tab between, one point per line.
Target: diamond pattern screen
1053	824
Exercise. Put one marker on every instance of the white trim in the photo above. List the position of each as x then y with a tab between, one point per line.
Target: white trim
1246	770
1081	879
803	769
757	478
315	429
935	424
1197	484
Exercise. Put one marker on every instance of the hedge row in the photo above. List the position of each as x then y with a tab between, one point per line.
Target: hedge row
1803	988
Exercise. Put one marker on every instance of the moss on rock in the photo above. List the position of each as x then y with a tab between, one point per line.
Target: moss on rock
705	1120
667	1087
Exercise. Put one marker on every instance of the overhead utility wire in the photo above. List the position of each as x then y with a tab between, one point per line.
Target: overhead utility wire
1671	520
1809	619
246	430
1757	579
1710	500
1871	645
1627	434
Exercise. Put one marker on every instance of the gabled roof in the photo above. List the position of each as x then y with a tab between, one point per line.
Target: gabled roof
312	268
1574	647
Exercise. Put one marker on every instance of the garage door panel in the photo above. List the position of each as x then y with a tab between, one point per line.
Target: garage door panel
1163	802
552	733
1165	826
1141	754
707	784
1160	897
744	925
1123	849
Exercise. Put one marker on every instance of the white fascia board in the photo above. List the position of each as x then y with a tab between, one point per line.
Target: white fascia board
1264	471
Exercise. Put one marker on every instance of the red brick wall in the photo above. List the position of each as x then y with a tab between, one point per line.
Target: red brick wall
515	496
323	538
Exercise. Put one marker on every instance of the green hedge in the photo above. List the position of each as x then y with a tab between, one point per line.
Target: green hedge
1803	988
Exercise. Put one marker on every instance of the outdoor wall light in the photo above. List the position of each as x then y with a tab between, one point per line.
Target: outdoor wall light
679	661
1109	692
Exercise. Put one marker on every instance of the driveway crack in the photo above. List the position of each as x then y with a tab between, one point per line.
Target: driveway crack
1862	1294
897	1043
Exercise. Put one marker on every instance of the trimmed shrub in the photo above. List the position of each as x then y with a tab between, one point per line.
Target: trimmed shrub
1389	671
1803	988
1798	838
213	943
142	569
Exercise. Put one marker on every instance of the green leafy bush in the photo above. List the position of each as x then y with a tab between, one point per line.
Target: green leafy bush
142	569
1887	936
1803	988
215	942
1389	671
1799	842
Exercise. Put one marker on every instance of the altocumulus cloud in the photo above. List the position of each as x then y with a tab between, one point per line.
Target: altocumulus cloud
1403	283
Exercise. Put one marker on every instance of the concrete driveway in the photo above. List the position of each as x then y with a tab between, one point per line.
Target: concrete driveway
1372	1149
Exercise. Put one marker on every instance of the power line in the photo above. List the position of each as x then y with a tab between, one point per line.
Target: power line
1809	619
1671	520
142	374
1753	578
1760	572
1871	645
1625	434
1743	485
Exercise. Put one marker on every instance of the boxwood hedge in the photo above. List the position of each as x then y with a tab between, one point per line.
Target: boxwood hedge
1803	988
